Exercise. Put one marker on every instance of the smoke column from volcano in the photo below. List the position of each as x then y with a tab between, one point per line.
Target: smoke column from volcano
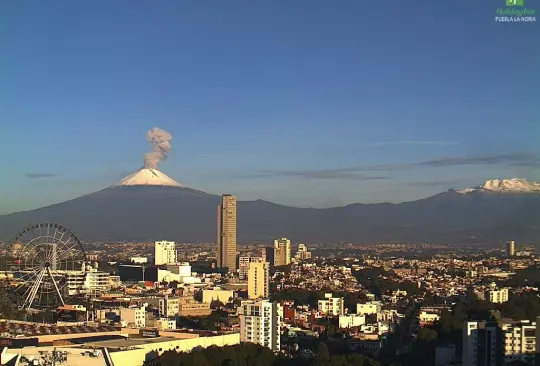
159	141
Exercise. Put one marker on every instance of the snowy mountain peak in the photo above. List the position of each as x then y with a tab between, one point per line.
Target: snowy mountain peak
514	185
148	177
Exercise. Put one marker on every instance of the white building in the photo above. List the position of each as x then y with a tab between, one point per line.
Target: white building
519	341
428	318
496	296
164	252
372	307
138	260
331	305
260	323
87	281
350	321
164	275
181	269
489	341
258	280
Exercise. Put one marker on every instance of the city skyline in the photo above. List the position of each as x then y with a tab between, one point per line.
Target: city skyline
322	110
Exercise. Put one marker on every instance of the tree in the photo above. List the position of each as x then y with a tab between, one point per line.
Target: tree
427	335
198	359
322	356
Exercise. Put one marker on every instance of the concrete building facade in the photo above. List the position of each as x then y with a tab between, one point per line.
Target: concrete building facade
260	323
258	280
282	252
226	233
164	252
331	305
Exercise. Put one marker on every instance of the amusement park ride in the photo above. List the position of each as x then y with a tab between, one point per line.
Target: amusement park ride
37	265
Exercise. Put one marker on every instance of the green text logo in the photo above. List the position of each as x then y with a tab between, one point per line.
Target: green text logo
514	2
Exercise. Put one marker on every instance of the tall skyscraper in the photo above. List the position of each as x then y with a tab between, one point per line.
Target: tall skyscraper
510	248
226	233
260	323
282	252
258	280
164	252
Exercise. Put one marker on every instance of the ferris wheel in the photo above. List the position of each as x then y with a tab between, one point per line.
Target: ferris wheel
38	262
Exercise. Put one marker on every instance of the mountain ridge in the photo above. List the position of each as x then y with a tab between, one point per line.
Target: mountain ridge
142	211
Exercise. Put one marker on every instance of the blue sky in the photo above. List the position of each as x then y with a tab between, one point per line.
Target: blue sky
306	103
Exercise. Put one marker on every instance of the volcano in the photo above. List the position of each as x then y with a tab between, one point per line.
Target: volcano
148	177
149	205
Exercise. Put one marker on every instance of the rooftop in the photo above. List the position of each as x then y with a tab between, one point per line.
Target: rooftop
26	329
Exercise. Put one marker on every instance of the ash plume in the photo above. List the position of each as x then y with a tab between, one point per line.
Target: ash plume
159	141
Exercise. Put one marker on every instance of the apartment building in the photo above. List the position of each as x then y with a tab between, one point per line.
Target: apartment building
260	323
282	252
331	305
519	341
133	317
164	252
243	265
496	296
371	307
167	306
258	280
302	253
491	343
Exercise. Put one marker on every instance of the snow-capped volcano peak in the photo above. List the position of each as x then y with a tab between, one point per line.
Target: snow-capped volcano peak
514	185
148	177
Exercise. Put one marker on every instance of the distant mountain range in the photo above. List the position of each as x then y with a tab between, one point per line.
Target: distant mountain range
149	205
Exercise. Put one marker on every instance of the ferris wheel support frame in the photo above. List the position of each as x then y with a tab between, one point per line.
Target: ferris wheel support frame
43	256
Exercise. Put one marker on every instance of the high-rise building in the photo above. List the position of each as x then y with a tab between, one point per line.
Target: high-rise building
481	343
510	248
260	323
164	252
268	255
258	280
491	343
243	265
226	233
302	253
282	252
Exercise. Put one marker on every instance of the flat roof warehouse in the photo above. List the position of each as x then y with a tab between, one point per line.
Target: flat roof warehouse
103	345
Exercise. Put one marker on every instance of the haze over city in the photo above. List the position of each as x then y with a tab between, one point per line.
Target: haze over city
308	104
